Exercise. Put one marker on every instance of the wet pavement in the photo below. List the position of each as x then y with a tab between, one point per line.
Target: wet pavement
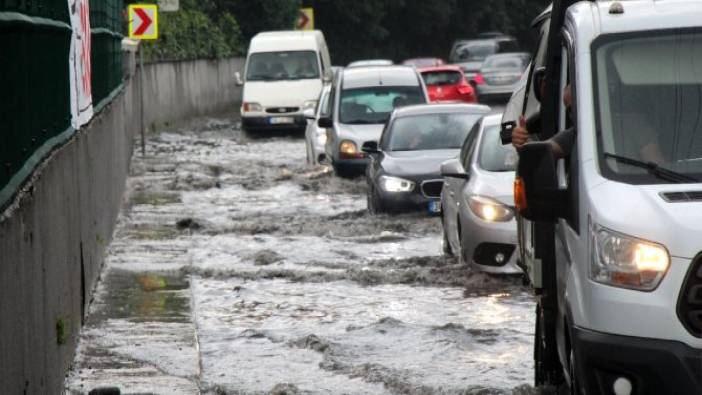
238	269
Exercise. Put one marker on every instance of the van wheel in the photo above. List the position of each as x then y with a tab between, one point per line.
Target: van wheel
548	371
573	372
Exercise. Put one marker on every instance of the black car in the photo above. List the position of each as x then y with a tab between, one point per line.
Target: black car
403	172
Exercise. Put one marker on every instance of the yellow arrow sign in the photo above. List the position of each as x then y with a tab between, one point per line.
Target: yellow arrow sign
305	19
143	21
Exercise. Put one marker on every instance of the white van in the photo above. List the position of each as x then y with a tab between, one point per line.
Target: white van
284	74
611	233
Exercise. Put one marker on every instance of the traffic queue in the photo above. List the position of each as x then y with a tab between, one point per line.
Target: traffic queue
589	206
396	125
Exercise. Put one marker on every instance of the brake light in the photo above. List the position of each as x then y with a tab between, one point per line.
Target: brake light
465	89
520	200
478	79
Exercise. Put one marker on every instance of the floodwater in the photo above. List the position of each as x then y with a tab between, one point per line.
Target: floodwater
238	269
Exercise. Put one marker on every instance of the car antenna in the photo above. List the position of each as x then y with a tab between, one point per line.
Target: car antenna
380	78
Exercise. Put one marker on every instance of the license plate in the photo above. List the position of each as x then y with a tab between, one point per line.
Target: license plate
435	206
281	120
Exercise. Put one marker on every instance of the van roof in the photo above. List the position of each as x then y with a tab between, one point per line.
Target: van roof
286	40
379	75
638	15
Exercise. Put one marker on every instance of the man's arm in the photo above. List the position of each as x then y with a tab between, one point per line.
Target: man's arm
562	142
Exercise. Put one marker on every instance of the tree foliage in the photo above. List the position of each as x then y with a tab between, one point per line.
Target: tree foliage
400	29
255	16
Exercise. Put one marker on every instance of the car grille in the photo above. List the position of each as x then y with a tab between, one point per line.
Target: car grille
688	196
281	110
432	188
690	301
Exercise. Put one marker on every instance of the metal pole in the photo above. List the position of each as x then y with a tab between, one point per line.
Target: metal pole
141	99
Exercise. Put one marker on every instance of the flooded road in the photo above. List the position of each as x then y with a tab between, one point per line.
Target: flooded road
238	269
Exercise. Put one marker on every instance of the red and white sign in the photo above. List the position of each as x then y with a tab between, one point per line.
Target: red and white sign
305	19
80	71
143	21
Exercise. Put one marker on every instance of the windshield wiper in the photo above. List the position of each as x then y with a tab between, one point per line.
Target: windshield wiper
653	168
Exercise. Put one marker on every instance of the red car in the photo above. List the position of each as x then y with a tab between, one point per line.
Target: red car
448	84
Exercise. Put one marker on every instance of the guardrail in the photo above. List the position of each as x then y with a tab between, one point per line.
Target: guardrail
35	38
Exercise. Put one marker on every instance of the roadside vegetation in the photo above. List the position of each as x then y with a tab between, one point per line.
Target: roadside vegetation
355	29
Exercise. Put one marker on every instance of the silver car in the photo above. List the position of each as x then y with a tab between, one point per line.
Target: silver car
360	104
316	137
370	62
478	202
500	75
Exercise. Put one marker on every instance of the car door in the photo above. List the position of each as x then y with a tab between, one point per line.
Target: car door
452	189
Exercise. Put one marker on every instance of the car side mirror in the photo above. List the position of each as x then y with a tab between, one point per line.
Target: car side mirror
536	193
328	77
237	78
325	122
454	169
370	147
308	113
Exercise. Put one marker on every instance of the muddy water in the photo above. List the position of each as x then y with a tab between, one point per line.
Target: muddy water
238	269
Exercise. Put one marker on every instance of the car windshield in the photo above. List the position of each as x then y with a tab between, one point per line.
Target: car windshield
494	156
649	104
286	65
429	131
441	77
373	105
475	52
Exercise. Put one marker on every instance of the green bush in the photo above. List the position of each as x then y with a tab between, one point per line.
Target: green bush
197	31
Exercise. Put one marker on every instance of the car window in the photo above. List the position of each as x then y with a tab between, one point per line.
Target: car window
373	105
284	65
430	131
508	46
475	52
441	77
323	104
493	156
468	145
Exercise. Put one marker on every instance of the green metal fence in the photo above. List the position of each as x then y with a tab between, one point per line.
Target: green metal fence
35	38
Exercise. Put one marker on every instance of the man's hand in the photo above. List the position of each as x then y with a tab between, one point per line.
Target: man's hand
520	135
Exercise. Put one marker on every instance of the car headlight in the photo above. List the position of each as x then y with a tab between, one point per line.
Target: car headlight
490	209
252	107
625	261
396	184
309	104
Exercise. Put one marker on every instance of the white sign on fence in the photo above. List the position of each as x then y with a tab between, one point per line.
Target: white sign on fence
79	66
168	5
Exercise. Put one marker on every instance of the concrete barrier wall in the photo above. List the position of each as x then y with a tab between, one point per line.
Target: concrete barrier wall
54	235
181	90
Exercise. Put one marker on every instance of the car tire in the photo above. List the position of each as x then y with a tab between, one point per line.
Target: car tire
445	245
341	171
375	205
462	253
